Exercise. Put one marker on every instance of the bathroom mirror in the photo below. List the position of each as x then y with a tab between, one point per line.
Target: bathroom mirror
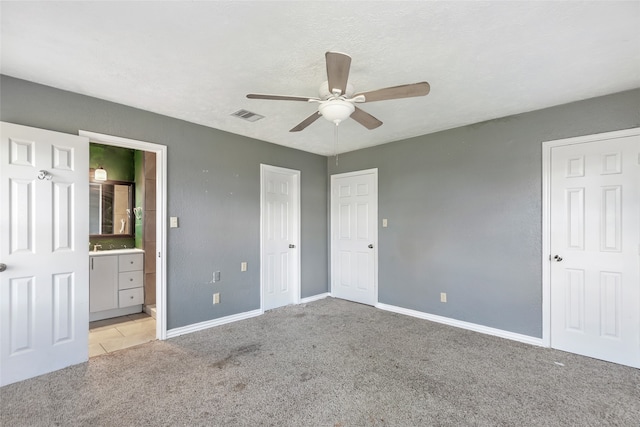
111	209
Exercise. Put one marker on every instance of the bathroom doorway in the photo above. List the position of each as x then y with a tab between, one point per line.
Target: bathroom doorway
129	329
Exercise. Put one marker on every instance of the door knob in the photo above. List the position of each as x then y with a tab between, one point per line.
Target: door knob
558	258
291	246
3	267
44	175
370	246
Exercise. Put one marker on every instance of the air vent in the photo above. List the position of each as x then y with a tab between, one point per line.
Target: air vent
248	115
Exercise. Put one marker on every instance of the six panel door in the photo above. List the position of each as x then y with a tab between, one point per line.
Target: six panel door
44	292
595	241
354	236
279	238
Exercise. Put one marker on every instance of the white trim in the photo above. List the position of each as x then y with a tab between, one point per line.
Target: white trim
333	242
175	332
161	216
298	232
546	244
314	298
546	214
594	137
463	325
232	318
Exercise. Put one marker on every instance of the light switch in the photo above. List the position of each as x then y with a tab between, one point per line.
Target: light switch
243	266
384	222
173	222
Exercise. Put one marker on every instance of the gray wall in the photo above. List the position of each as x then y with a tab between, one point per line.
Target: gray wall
464	205
464	211
213	186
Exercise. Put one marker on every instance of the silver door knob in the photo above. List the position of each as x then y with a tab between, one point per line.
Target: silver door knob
291	246
370	246
44	175
3	267
558	258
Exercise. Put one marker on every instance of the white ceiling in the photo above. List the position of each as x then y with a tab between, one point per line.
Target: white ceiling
196	61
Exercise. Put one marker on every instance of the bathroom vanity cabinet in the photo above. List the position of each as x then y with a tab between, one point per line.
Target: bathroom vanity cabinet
115	283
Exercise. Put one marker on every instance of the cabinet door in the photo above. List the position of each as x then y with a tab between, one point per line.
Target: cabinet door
103	283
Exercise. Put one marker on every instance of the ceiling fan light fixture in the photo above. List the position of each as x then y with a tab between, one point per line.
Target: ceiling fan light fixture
336	110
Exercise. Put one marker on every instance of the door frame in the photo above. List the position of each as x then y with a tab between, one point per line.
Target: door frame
161	216
264	168
334	245
546	215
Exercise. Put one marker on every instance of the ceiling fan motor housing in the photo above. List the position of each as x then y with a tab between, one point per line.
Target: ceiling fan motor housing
325	93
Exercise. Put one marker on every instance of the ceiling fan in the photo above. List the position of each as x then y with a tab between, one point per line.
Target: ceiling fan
337	100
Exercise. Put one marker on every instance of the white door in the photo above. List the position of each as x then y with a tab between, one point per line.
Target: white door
354	235
595	249
280	260
44	229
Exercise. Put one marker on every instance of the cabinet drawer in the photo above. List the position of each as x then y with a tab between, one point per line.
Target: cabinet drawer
130	297
130	279
131	262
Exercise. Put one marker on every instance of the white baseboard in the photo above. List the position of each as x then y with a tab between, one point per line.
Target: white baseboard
171	333
314	298
407	312
464	325
233	318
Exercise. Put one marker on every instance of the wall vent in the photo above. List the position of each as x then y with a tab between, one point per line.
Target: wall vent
247	115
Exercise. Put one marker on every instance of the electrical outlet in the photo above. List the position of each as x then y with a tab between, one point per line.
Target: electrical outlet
216	298
443	297
243	266
216	276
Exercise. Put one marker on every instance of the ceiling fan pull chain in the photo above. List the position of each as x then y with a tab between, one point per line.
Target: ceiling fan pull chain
335	134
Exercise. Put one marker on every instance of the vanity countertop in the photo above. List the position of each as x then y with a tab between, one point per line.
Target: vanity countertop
127	251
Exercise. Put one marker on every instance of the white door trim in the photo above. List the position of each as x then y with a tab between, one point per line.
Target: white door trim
546	215
334	243
161	216
296	228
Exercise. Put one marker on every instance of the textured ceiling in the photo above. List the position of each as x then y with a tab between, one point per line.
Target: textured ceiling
197	60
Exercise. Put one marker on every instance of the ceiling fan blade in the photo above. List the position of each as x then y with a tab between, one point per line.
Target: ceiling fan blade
279	97
338	65
396	92
306	122
365	119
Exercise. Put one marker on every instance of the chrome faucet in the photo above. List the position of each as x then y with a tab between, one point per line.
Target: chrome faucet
95	248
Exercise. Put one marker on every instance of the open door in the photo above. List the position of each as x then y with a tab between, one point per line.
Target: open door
44	228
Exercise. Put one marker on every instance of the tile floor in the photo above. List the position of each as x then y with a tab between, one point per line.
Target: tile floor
106	336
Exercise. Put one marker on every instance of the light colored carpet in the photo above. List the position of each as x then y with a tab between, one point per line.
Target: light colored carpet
330	363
